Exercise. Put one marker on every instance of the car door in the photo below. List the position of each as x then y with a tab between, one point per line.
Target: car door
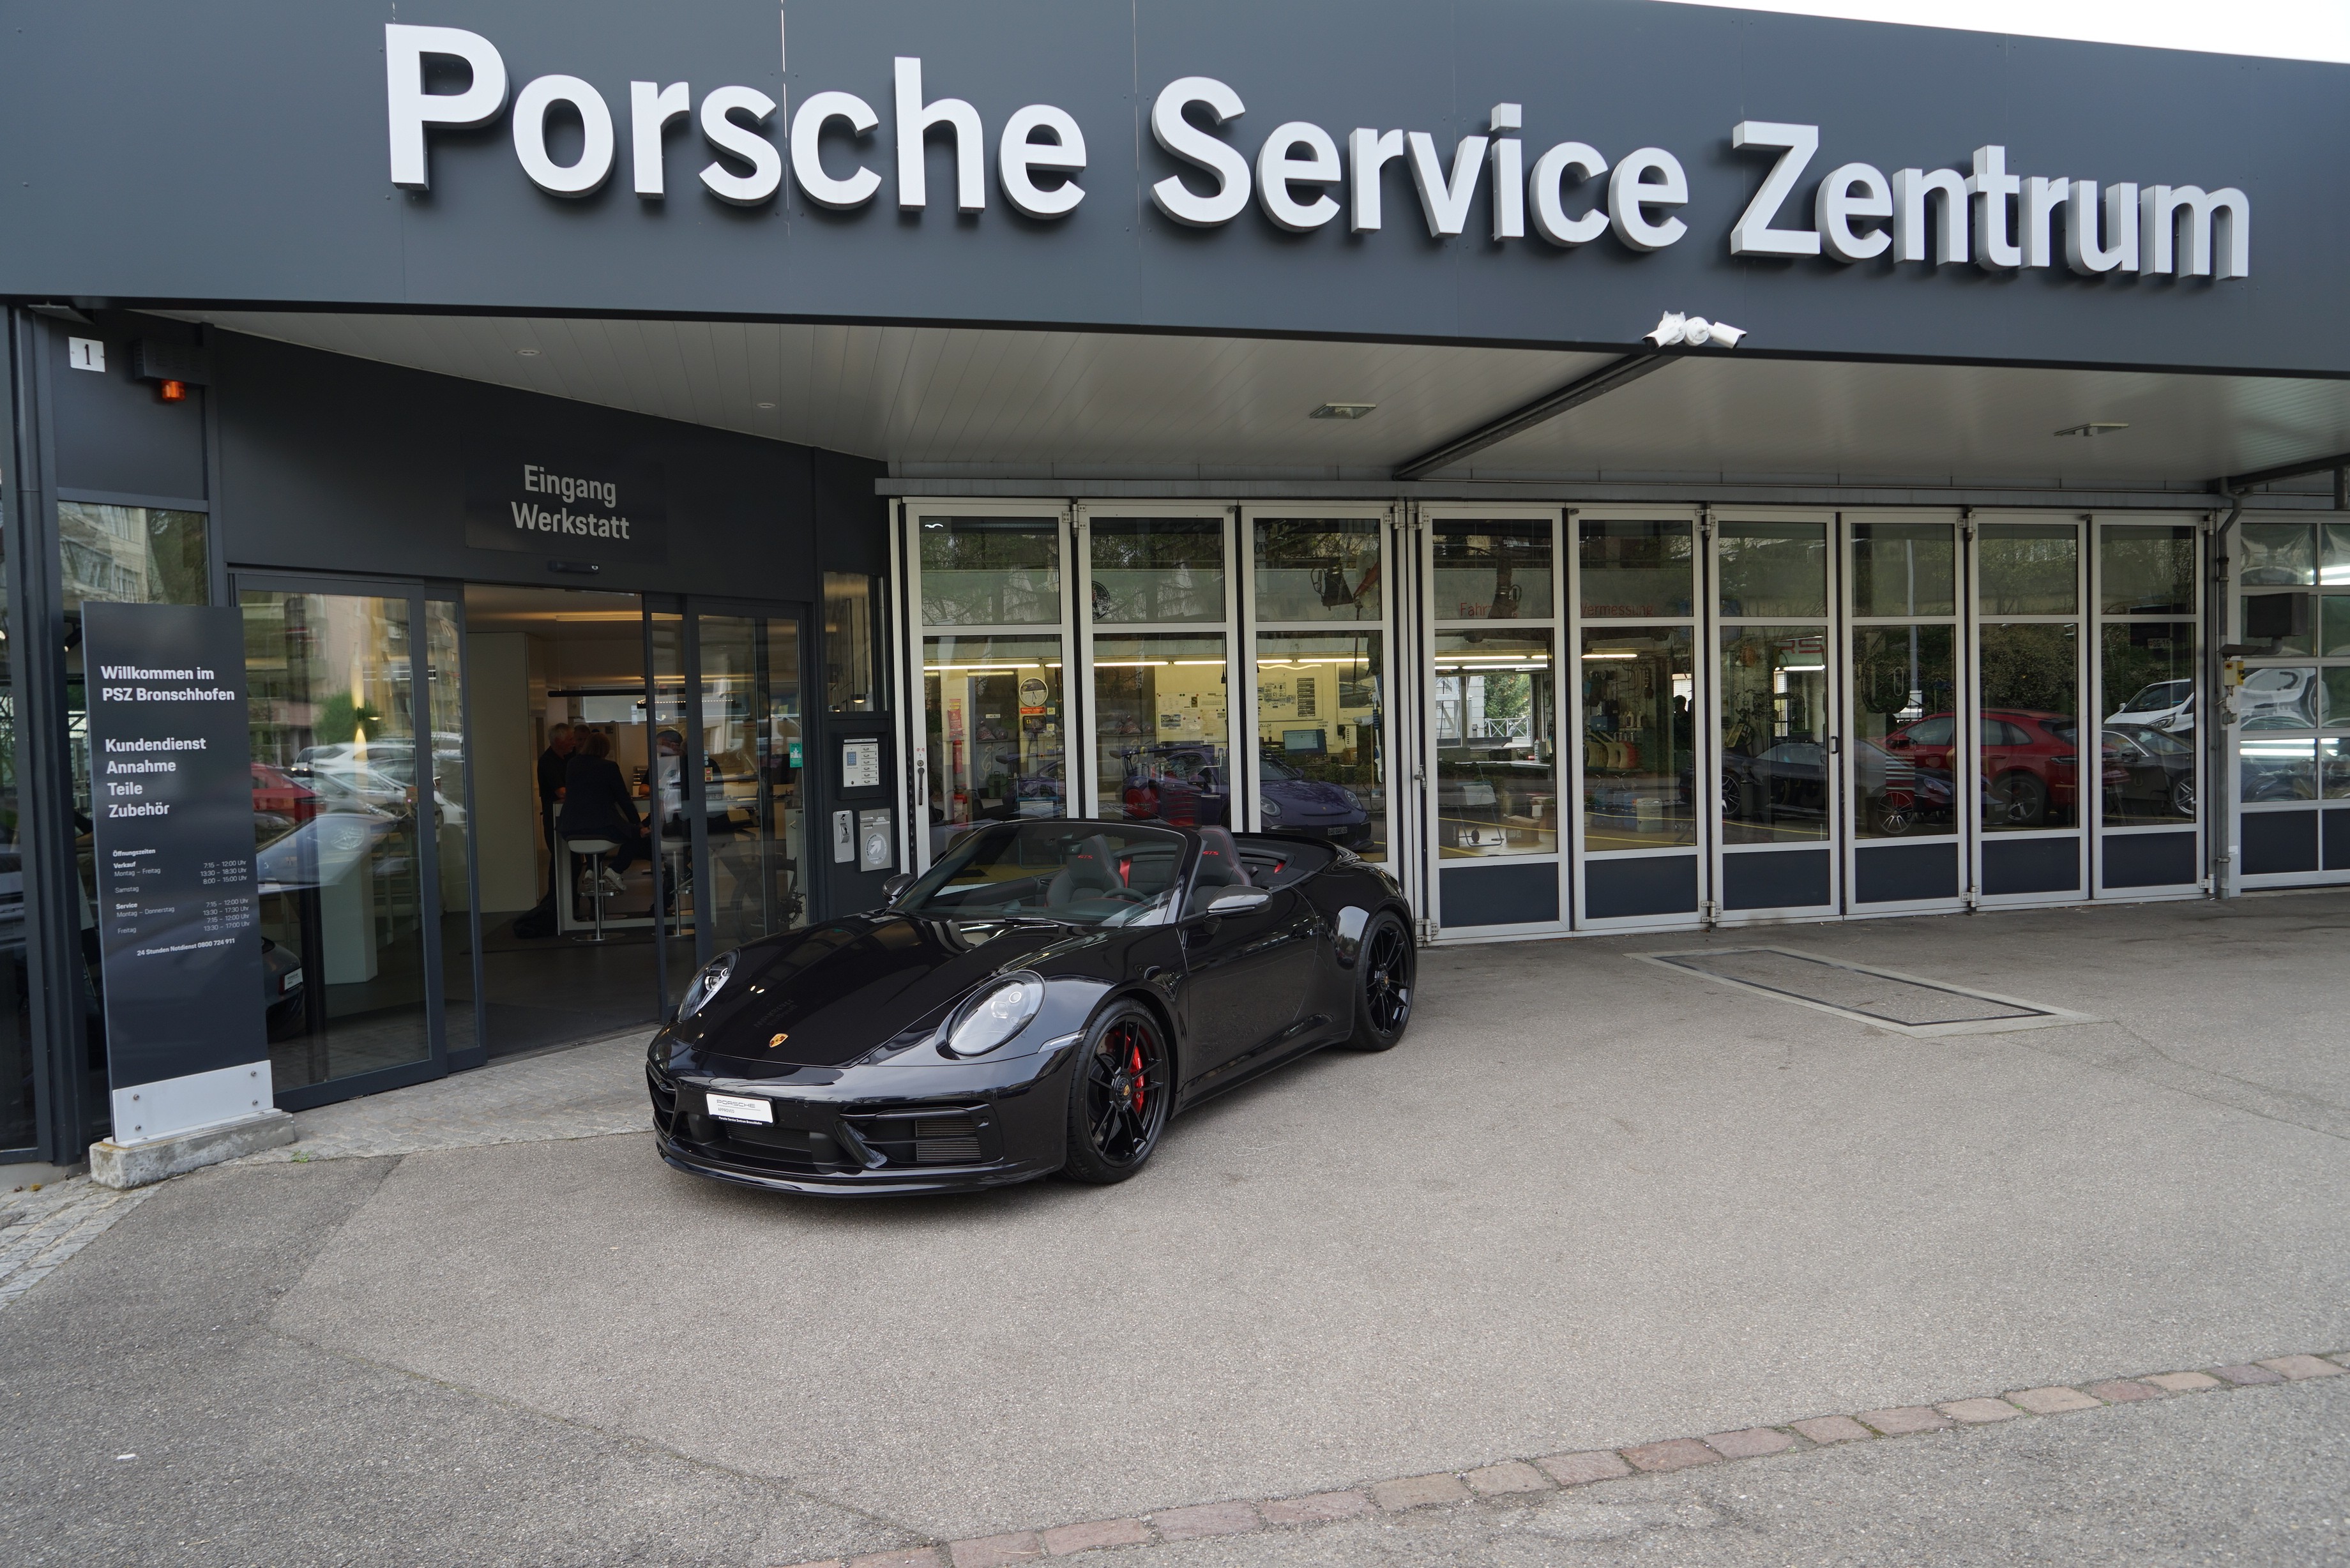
1248	978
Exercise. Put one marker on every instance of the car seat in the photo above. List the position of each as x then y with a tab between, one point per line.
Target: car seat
1090	872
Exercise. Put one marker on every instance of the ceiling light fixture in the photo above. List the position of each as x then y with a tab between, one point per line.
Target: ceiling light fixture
2095	427
767	405
1342	411
528	353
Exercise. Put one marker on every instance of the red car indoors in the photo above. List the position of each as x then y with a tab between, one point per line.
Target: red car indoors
279	795
2031	761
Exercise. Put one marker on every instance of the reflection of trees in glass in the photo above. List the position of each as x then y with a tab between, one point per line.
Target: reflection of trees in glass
2030	667
1317	569
2029	570
1157	568
979	571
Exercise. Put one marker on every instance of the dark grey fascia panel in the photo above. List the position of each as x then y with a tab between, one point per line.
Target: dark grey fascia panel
238	153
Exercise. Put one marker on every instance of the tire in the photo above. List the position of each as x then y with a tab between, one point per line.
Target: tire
2022	799
1384	970
1119	1094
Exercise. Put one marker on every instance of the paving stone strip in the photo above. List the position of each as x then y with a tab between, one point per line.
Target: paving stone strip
1556	1472
40	1229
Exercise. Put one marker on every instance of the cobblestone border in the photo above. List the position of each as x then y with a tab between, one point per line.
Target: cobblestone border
1555	1471
40	1231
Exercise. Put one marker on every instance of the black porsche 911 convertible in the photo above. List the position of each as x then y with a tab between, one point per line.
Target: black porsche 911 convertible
1041	1001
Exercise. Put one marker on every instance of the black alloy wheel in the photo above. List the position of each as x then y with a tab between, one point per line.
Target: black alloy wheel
1119	1097
1383	972
2016	800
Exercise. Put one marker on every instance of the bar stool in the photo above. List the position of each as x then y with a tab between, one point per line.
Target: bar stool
595	849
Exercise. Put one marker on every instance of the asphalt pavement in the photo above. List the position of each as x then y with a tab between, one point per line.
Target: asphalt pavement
1589	1203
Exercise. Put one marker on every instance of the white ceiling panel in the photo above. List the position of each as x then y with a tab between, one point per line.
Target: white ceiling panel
965	402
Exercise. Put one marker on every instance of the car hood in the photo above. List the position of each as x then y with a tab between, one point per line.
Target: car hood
842	989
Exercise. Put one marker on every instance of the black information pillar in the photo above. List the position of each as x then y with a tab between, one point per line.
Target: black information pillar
171	794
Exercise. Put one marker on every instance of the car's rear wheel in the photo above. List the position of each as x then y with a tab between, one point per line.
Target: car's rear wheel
1118	1096
1383	979
2017	800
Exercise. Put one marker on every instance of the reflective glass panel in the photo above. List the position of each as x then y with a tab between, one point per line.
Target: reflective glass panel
2030	734
2272	767
2278	696
15	1048
1157	568
991	571
1493	571
2028	568
1321	760
751	763
132	555
2334	565
992	718
1162	742
2335	700
1772	568
2334	767
452	820
1777	782
2148	741
1317	569
1636	569
1904	569
2334	626
1640	737
337	852
2147	671
1496	747
667	785
852	682
2276	555
1903	677
2146	571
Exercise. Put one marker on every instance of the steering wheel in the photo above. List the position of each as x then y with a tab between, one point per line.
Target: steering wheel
1127	894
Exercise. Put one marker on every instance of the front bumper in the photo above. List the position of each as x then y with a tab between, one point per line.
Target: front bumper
878	1130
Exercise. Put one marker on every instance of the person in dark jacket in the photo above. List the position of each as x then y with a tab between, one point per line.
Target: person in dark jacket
554	767
597	803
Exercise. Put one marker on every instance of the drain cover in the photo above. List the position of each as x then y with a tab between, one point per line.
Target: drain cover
1883	997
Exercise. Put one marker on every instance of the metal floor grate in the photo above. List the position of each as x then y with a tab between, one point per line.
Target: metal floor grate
1883	997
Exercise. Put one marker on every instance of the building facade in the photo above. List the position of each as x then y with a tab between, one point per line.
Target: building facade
845	424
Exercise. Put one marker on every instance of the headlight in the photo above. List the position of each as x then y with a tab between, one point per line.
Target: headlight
707	984
995	1016
1271	810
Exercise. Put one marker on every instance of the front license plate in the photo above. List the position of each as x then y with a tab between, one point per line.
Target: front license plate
743	1108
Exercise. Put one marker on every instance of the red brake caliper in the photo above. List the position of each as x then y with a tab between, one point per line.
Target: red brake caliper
1134	1062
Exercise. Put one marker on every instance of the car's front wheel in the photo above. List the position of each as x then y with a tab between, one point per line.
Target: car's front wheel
1118	1096
1383	981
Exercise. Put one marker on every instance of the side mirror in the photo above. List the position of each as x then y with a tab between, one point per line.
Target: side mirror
896	886
1240	901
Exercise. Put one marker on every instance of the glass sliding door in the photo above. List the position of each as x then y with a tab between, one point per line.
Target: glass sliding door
452	807
750	880
1495	710
2148	597
1638	699
1318	600
1158	637
1776	781
1906	826
343	791
988	589
2029	585
2291	712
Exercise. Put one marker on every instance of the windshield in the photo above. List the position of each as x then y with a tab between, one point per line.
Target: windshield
1078	873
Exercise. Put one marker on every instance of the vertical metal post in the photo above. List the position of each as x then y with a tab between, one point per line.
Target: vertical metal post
54	974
